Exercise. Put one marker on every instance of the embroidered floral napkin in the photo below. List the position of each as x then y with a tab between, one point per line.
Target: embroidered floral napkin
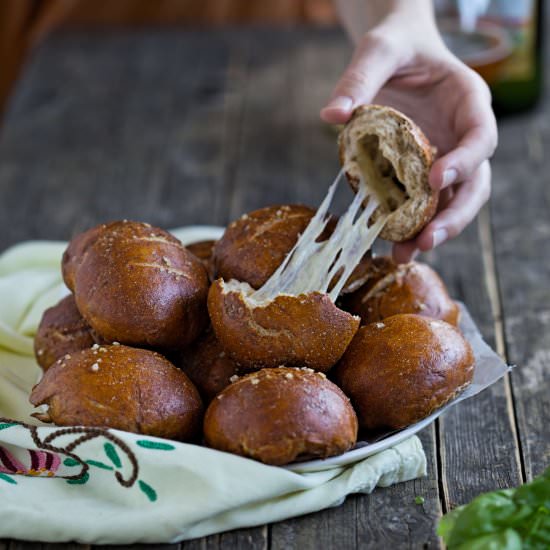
106	486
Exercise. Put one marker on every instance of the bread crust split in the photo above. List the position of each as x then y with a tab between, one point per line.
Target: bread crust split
306	330
398	156
281	415
400	370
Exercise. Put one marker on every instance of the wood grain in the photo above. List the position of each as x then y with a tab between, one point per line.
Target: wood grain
521	227
477	446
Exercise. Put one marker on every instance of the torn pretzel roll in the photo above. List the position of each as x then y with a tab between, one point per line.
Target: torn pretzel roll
388	152
292	319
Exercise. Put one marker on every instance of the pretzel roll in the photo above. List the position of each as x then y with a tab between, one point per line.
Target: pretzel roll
138	285
281	415
62	331
75	251
405	288
254	246
304	330
208	366
388	152
203	251
399	370
120	387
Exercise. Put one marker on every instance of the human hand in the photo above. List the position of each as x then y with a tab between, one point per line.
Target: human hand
403	63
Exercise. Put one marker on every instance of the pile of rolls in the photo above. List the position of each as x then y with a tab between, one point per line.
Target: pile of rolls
179	342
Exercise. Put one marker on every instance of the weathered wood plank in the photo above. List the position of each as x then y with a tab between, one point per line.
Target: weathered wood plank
521	226
478	451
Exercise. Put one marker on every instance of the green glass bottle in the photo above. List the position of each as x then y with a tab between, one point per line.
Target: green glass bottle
518	84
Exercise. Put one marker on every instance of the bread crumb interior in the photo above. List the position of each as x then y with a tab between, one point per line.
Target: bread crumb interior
379	173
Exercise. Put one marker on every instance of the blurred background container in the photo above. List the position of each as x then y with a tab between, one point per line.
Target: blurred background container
502	41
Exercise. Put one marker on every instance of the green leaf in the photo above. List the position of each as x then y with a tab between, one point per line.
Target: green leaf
148	490
84	479
111	453
156	445
98	464
5	425
505	520
71	462
7	478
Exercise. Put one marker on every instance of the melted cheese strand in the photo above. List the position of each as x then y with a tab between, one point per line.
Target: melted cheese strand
284	280
313	266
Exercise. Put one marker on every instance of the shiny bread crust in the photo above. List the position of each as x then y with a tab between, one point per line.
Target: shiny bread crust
254	246
138	285
402	288
122	388
203	250
281	415
400	370
62	330
208	366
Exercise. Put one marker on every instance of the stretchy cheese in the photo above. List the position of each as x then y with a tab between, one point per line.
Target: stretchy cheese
311	265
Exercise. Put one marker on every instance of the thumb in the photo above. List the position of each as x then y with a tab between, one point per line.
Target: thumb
372	65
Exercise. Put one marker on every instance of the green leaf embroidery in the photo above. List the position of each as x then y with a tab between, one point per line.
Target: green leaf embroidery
148	490
71	462
146	444
98	464
111	453
5	425
81	481
7	478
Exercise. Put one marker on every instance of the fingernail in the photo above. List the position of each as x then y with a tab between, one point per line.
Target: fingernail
439	236
449	177
343	103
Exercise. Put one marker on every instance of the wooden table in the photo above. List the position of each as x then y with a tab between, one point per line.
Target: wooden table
178	127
